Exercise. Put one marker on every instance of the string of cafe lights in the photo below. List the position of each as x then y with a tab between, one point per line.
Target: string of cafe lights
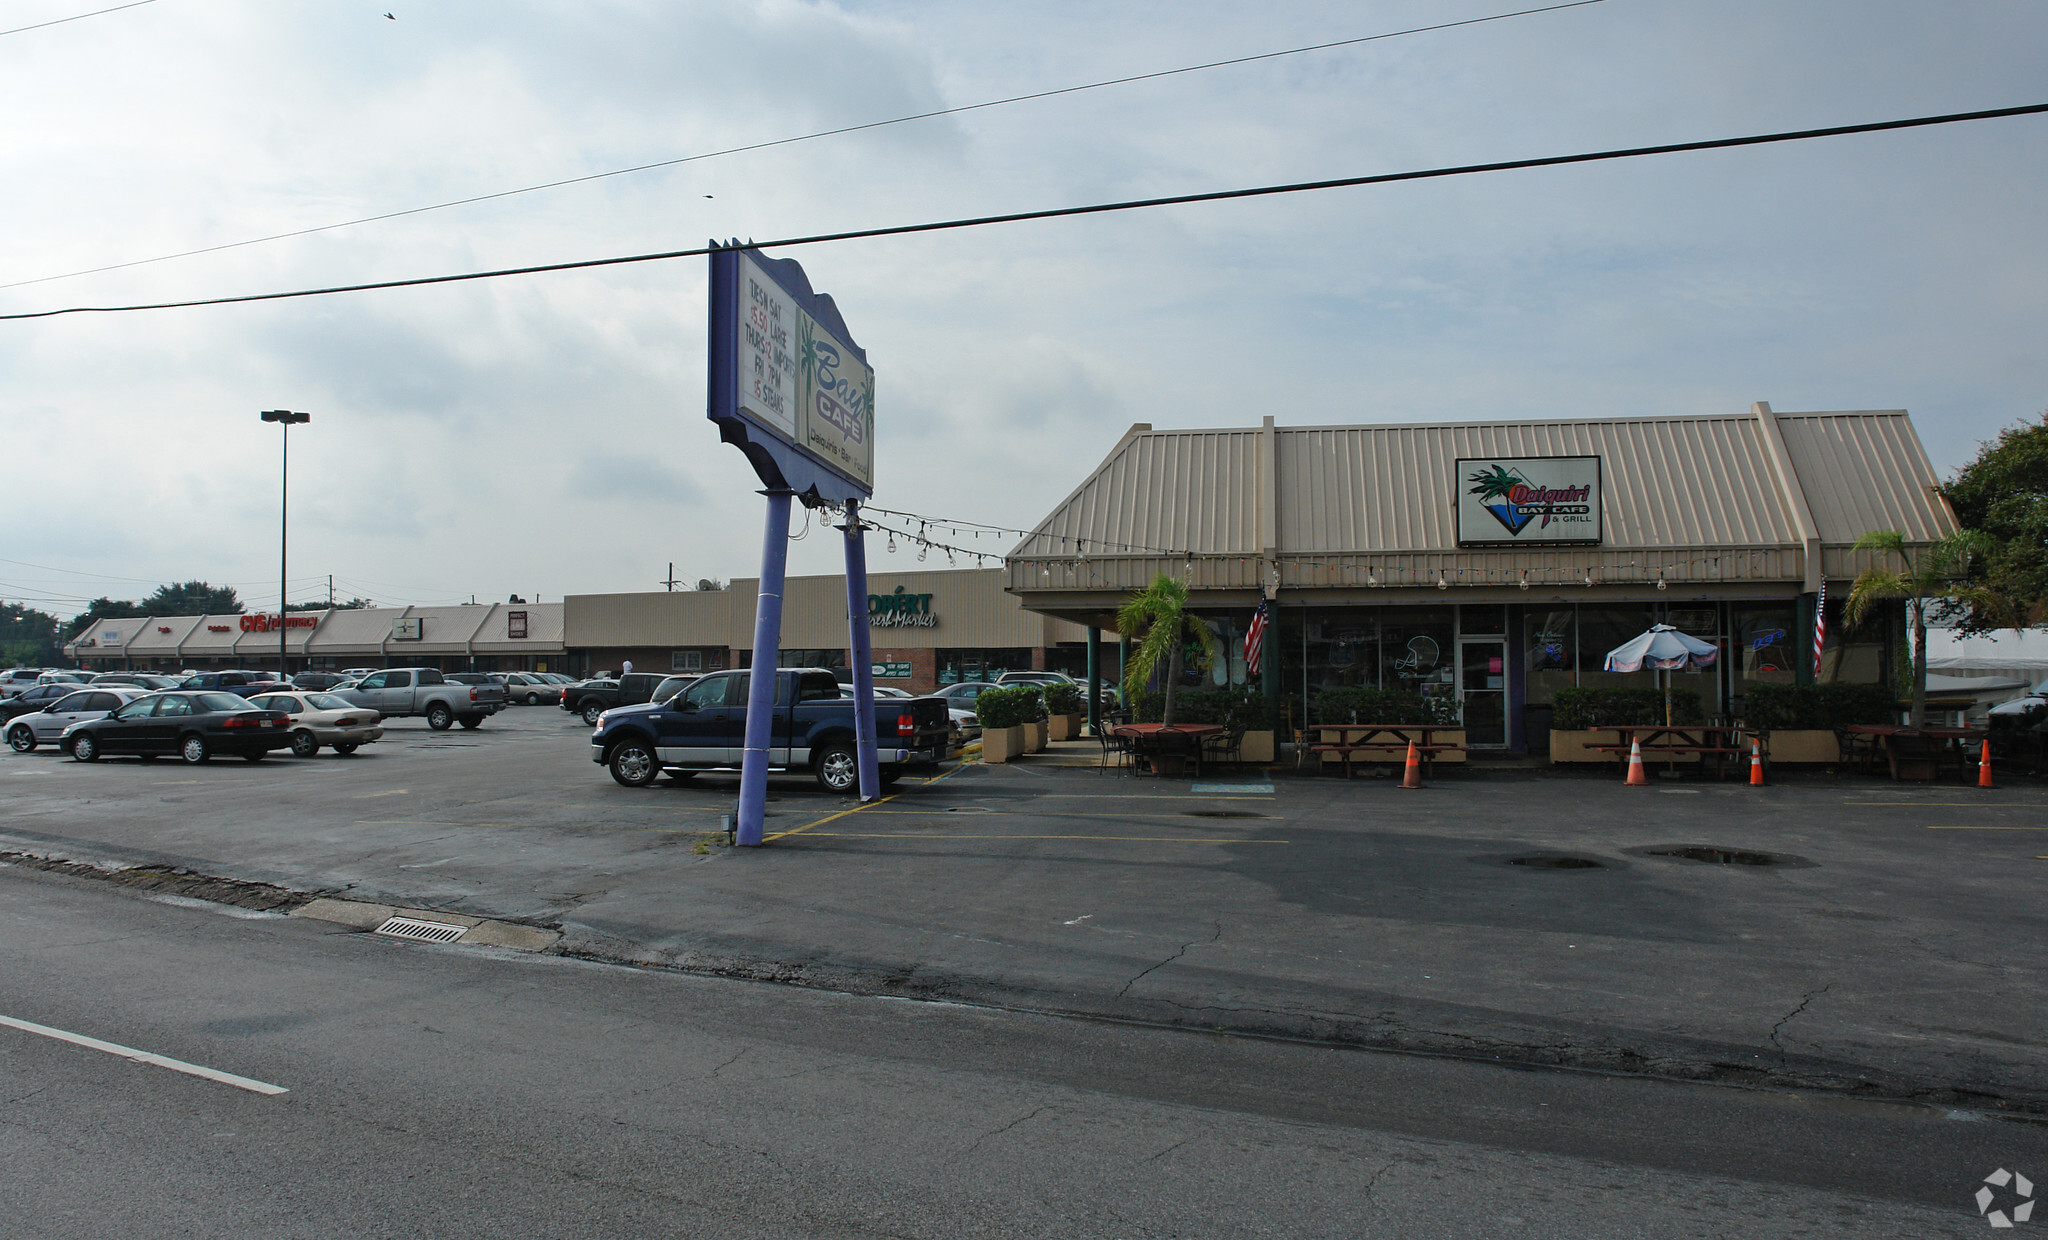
1346	572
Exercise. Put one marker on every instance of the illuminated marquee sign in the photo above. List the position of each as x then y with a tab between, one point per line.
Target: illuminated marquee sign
1512	501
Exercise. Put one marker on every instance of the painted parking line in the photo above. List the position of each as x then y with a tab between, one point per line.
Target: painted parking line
930	835
1954	827
145	1057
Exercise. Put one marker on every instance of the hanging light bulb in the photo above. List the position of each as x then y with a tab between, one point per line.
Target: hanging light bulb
923	549
1525	579
1371	580
1660	579
892	543
1587	581
1442	584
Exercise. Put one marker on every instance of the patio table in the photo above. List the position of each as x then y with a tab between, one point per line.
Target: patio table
1352	739
1909	751
1156	740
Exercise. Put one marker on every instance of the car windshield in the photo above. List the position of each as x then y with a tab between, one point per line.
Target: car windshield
221	701
327	701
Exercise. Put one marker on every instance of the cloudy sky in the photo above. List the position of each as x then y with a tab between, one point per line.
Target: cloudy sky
546	435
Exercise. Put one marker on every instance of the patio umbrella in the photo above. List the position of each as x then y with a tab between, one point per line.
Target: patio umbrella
1663	649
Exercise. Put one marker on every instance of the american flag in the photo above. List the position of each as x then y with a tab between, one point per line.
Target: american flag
1820	628
1255	640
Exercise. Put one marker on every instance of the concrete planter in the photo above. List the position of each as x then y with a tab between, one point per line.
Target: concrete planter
1034	737
1002	744
1807	745
1066	727
1256	747
1337	735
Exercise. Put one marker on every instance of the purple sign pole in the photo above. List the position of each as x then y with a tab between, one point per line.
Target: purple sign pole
761	677
863	668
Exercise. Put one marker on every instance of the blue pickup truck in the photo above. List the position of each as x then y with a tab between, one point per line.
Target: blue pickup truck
704	728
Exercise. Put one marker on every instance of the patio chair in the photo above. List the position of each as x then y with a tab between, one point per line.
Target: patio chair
1116	750
1227	745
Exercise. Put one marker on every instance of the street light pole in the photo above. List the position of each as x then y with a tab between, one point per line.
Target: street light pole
285	418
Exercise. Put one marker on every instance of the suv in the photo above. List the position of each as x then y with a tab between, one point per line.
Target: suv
17	679
592	698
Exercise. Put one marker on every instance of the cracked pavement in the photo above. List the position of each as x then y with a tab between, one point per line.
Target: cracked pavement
1897	954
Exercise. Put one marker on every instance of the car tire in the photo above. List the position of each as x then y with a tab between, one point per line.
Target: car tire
255	756
591	710
85	747
838	770
533	699
344	748
193	748
633	763
21	740
440	718
472	721
303	744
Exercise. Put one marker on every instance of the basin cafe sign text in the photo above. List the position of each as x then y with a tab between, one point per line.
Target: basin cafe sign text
901	611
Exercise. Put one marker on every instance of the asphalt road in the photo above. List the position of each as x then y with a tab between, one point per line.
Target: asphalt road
1895	951
457	1092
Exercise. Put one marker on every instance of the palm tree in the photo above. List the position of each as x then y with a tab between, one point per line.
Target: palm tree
1158	616
1940	572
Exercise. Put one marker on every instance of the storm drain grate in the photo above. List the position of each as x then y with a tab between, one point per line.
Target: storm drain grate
425	931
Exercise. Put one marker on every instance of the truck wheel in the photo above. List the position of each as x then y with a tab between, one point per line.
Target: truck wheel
838	769
439	717
472	721
303	744
633	763
592	708
681	777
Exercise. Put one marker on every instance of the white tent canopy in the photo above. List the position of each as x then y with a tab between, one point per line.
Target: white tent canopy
2022	654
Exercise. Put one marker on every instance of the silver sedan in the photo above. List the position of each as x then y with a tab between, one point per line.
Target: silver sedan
530	689
46	725
323	719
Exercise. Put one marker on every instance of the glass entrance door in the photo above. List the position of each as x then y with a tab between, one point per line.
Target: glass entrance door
1482	688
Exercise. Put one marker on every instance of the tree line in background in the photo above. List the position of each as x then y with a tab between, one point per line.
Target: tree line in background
34	638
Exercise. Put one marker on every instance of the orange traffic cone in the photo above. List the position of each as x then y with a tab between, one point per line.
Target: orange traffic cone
1635	763
1412	777
1984	767
1756	764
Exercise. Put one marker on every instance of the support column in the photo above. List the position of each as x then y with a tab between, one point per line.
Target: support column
1094	681
861	654
753	810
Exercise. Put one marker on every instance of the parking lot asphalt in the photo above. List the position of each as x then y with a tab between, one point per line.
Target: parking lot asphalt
1890	947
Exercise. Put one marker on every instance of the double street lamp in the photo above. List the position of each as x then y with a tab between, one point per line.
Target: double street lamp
285	418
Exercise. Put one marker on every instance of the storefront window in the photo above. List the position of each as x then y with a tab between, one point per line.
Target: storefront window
956	666
1602	627
1416	649
1484	620
1765	649
1549	653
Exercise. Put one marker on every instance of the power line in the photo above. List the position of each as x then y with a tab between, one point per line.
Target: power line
77	17
1017	217
775	142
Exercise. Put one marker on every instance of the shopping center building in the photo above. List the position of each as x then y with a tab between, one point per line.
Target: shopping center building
1498	562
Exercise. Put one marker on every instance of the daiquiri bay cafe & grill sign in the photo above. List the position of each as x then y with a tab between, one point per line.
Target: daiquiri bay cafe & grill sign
792	391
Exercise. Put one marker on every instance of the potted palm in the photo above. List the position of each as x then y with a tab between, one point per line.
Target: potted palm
1158	618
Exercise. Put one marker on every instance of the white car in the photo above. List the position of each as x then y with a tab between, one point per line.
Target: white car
323	719
45	726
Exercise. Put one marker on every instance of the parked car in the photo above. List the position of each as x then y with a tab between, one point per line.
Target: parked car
317	681
64	678
396	692
241	682
882	691
703	728
140	680
34	698
195	726
324	719
529	688
591	698
15	679
1035	678
355	673
44	727
672	685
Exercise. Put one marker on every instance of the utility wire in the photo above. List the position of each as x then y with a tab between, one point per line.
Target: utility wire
1712	144
823	133
76	17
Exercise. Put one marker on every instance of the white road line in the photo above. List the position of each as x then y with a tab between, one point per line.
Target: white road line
130	1053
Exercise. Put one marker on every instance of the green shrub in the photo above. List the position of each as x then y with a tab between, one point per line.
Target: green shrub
1582	708
1246	704
1063	699
1008	707
1339	706
1783	708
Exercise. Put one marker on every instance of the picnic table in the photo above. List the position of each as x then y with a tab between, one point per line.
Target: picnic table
1153	741
1351	740
1910	753
1717	741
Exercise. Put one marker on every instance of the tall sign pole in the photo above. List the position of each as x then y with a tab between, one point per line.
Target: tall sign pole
857	642
791	390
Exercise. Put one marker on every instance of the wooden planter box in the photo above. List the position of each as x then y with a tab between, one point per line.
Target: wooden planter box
1002	744
1576	746
1034	737
1256	747
1817	745
1338	735
1066	727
